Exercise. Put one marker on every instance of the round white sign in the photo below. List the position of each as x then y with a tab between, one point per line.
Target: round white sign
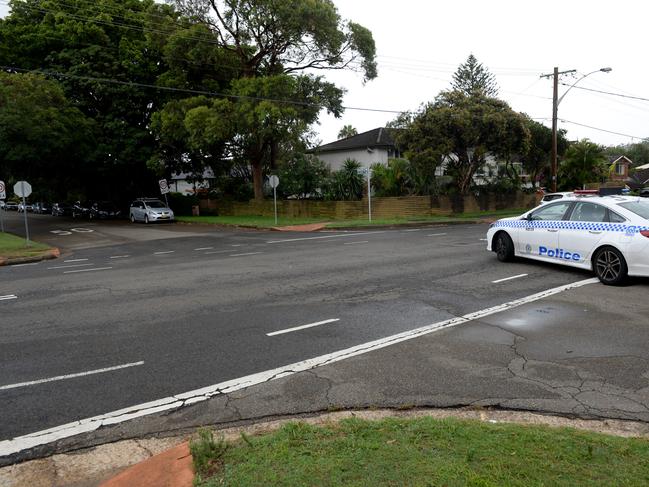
22	189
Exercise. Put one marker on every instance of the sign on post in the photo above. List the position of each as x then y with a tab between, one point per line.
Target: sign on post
274	182
23	189
164	187
3	196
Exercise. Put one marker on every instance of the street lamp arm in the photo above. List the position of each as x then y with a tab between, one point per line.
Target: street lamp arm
604	70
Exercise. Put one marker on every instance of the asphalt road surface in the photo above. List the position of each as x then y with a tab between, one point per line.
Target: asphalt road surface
134	319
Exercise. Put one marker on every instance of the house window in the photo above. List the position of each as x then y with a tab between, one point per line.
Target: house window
619	169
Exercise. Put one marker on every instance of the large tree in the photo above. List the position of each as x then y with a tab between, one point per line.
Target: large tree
98	52
284	42
473	79
585	162
537	159
43	138
459	131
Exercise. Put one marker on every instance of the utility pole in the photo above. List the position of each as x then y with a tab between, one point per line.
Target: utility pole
555	108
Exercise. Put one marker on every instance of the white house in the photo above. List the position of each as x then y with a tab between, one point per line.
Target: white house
186	183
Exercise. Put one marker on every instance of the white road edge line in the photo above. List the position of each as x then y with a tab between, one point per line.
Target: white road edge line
436	234
69	266
414	230
218	252
75	260
354	243
119	256
203	248
310	325
164	252
88	270
23	265
246	253
8	297
324	236
508	278
20	443
70	376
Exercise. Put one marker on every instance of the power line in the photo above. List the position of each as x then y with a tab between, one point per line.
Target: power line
608	93
601	130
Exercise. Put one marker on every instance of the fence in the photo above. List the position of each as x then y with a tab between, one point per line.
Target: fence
400	207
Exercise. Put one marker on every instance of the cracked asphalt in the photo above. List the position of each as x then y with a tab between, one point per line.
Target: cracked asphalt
197	308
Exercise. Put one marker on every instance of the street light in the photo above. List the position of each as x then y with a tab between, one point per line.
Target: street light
555	106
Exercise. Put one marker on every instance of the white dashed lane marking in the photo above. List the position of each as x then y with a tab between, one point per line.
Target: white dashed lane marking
204	248
436	234
119	257
246	253
508	278
354	243
70	376
164	252
75	260
296	328
68	266
88	270
8	297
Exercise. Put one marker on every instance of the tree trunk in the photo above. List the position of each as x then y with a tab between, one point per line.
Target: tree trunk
258	180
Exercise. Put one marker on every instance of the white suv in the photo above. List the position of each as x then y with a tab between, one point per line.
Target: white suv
150	210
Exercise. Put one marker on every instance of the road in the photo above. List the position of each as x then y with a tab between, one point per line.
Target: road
131	320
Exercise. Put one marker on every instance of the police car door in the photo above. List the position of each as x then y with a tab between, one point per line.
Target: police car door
586	225
539	236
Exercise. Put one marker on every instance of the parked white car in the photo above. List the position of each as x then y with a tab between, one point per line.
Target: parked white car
149	210
606	234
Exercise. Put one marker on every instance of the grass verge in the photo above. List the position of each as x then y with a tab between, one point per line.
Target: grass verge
12	246
422	452
268	222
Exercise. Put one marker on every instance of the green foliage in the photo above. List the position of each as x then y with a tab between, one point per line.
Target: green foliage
182	204
638	152
347	131
394	179
347	183
585	162
43	138
207	452
473	79
537	159
302	176
459	130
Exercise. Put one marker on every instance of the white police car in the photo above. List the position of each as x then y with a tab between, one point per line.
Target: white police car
606	234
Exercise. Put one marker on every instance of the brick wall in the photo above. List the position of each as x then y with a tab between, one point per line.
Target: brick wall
401	207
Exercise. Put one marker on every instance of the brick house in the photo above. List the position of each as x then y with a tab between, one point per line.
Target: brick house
619	168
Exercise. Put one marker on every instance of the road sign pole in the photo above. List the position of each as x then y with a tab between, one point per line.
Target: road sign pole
26	226
369	192
275	200
2	222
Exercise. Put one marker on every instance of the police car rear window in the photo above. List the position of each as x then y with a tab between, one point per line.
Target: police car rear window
640	208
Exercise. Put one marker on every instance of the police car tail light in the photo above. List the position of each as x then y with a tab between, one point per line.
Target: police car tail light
645	233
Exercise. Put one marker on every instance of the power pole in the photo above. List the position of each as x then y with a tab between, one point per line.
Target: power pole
555	107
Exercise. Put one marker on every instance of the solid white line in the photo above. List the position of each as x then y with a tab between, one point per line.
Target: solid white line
354	243
69	266
164	252
89	270
436	234
509	278
8	297
75	260
70	376
324	236
204	248
119	256
414	230
310	325
20	443
236	245
23	265
247	253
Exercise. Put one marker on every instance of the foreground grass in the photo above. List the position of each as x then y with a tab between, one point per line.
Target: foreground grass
422	452
12	246
268	222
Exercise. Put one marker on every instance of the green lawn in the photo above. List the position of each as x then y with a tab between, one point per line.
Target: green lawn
423	452
268	222
13	246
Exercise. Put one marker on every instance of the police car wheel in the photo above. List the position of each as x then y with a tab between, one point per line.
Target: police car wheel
504	247
610	266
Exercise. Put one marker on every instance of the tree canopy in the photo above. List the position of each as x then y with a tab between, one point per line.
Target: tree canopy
585	162
473	79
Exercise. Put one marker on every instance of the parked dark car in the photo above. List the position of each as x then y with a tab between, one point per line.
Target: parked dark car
103	210
80	210
11	206
62	209
644	192
42	208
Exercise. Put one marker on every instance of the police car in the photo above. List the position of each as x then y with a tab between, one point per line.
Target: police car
606	234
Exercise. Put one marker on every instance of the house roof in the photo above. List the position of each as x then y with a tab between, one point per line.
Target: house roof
379	137
644	166
181	176
616	159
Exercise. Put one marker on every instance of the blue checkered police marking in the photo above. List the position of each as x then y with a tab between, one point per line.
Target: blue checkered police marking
568	225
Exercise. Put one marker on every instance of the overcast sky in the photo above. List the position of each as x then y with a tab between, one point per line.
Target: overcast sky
420	44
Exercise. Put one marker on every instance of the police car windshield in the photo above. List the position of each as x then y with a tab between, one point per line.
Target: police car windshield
155	204
640	208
